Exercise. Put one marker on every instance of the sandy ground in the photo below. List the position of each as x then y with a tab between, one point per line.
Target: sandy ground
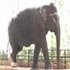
10	68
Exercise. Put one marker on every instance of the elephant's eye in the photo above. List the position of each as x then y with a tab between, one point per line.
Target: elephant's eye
54	17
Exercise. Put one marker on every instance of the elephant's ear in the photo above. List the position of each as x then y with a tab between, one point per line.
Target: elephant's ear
43	13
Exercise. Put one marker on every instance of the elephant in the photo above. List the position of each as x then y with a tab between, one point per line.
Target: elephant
30	26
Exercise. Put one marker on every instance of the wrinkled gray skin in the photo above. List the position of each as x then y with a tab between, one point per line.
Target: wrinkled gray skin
29	27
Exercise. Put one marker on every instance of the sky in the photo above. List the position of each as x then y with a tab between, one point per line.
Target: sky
9	9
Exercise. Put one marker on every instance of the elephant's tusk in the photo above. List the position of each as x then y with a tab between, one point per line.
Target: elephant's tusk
53	14
54	20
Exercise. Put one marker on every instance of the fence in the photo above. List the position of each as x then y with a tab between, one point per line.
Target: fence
27	56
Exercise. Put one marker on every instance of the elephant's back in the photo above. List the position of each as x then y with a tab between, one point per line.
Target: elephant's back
25	26
25	22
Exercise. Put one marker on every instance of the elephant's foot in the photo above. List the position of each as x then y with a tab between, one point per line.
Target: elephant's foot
48	67
13	64
34	67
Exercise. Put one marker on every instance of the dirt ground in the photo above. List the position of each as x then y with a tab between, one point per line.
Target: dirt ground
10	68
25	64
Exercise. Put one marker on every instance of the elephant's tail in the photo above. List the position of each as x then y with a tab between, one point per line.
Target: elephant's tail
7	46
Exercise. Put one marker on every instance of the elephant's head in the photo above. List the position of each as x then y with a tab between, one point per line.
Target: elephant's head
51	19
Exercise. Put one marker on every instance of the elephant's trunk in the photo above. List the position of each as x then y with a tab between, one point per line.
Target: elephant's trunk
58	43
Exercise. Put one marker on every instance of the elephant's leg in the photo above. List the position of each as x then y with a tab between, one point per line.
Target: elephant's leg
15	49
13	59
36	54
45	53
